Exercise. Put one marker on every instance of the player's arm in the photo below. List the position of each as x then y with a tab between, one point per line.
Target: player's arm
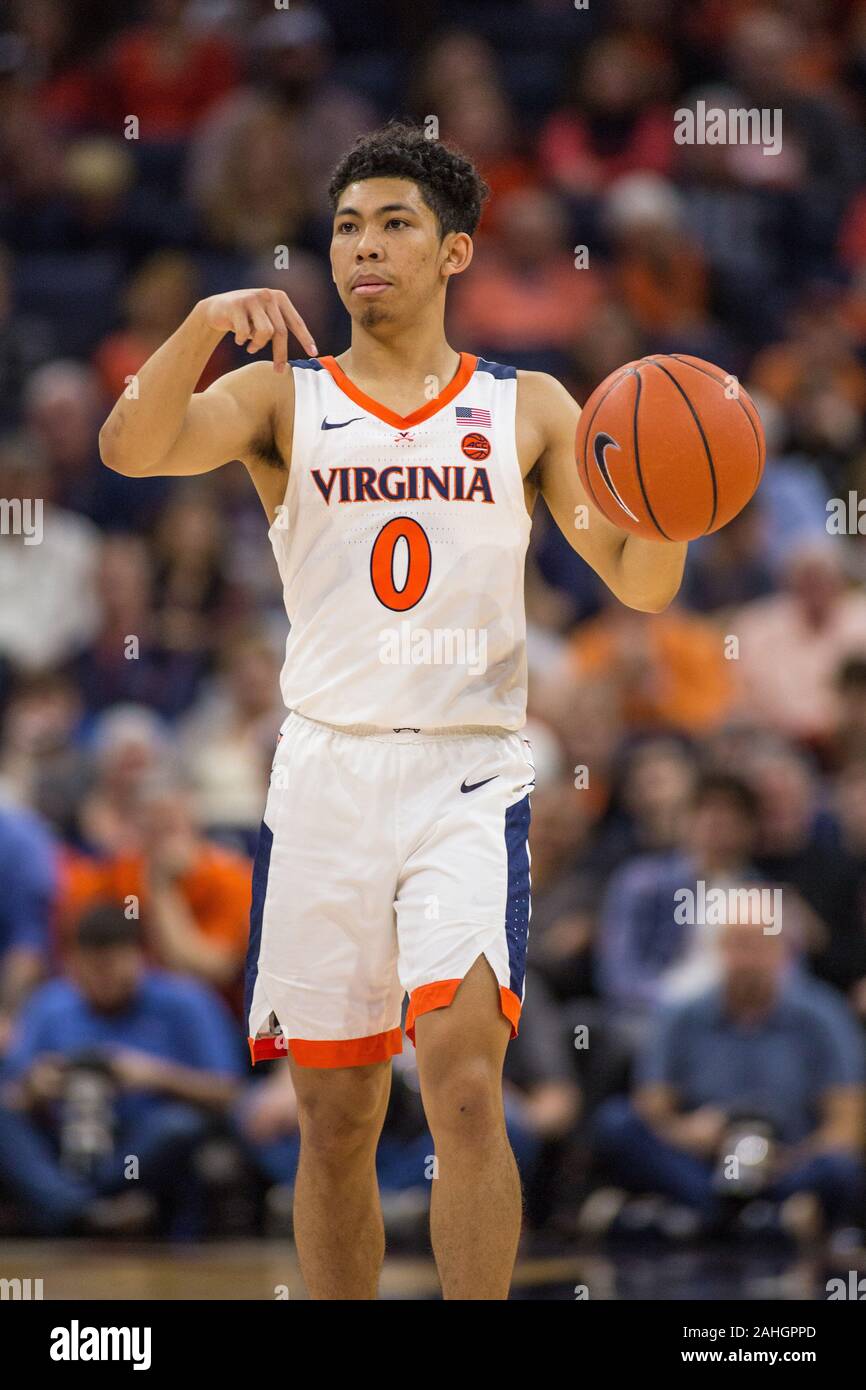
165	427
642	574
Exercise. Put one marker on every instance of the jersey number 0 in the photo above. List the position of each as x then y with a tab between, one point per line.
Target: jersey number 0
382	564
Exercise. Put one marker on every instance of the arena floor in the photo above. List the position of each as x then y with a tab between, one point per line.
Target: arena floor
264	1270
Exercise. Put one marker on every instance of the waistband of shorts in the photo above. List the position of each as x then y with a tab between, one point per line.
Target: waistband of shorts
405	734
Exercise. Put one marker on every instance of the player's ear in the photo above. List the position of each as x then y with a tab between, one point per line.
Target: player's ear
458	254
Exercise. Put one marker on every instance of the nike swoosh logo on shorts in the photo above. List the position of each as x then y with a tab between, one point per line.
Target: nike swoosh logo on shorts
339	424
473	786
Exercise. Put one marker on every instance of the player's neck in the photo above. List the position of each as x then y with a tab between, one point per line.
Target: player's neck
403	362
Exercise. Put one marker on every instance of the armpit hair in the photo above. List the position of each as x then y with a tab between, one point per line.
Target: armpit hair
264	446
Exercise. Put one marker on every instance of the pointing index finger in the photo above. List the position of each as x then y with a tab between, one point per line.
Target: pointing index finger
297	327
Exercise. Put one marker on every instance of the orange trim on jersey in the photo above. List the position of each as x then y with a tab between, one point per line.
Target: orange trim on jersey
350	1052
440	994
467	366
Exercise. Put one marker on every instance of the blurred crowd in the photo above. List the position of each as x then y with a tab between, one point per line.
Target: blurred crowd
160	151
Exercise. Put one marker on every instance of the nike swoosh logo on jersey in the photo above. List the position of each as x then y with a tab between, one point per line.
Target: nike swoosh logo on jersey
473	786
339	424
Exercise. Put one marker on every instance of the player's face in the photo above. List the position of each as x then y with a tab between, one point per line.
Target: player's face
387	259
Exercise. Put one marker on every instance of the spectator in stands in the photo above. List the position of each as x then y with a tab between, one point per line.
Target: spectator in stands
190	587
848	739
601	344
791	644
730	568
164	1054
157	300
26	341
814	366
289	55
797	847
195	895
526	294
166	73
670	672
767	1051
456	60
28	872
614	121
648	946
227	744
563	888
46	551
128	658
650	802
42	761
63	407
256	199
459	80
791	504
481	121
128	742
30	153
658	270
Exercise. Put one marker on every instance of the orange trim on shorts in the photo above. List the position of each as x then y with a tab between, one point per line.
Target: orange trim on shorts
349	1052
468	363
440	994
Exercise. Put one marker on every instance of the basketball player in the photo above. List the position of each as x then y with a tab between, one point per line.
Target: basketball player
398	480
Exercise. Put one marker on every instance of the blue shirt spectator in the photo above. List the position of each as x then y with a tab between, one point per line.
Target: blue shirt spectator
777	1068
168	1017
28	872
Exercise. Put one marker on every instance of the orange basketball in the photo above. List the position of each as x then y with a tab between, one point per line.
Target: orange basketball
670	447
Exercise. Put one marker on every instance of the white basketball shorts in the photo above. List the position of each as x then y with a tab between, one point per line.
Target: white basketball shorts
387	863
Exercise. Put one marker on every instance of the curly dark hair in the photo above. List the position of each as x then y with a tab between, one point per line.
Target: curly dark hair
450	184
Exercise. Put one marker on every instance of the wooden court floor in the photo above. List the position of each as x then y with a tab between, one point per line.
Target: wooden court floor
84	1269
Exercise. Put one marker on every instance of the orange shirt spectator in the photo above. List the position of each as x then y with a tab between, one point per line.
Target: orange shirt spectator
167	77
524	289
667	671
215	889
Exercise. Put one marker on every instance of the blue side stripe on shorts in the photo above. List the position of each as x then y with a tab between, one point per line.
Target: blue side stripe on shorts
261	868
517	903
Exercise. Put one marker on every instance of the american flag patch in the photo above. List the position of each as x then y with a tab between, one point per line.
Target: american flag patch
468	415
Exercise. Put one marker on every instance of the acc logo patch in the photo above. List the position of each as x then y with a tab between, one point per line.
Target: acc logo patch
475	446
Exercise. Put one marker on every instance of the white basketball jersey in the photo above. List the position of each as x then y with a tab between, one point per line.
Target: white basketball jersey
401	545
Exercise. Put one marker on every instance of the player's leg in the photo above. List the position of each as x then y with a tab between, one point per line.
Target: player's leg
462	926
323	990
475	1202
338	1224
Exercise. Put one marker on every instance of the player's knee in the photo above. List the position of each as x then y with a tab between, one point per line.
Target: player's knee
464	1102
338	1121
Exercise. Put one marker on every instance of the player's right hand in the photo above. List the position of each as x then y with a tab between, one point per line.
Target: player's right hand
256	317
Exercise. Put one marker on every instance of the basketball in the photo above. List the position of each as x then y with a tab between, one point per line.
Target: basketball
670	447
